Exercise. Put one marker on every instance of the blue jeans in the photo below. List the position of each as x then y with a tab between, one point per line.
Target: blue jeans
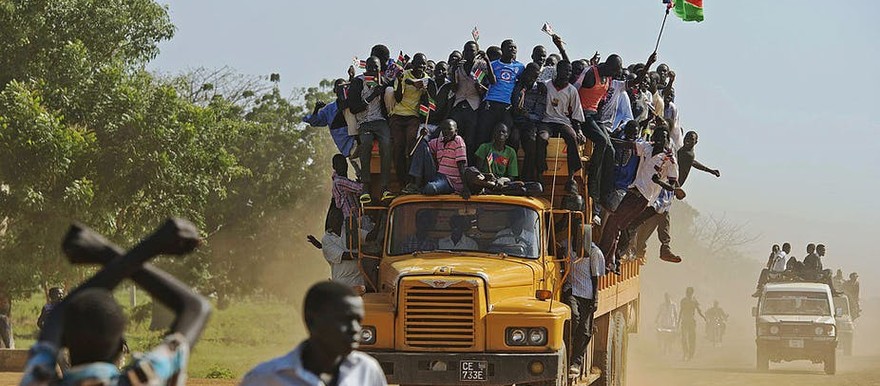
438	185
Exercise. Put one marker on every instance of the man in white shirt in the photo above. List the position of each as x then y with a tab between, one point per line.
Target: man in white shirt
332	313
457	240
343	262
657	170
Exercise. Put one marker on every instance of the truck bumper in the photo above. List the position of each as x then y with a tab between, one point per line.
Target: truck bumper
794	348
445	368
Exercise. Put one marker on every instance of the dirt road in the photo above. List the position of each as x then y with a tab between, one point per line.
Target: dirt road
734	364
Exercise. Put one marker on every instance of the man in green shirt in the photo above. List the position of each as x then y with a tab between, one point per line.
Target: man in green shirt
496	157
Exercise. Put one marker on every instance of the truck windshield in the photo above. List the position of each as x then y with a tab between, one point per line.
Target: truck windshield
795	303
465	226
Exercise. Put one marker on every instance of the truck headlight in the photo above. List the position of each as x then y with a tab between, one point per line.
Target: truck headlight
830	330
820	331
526	336
368	335
774	330
537	336
516	337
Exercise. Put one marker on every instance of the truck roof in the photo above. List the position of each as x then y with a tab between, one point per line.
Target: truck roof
809	287
537	203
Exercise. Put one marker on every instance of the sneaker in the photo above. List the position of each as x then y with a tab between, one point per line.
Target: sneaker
597	220
387	195
667	255
410	188
574	371
365	199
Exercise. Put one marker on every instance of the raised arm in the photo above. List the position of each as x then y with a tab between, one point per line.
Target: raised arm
701	167
192	310
557	41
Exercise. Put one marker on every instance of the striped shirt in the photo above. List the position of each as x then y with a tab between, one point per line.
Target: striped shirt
448	154
345	193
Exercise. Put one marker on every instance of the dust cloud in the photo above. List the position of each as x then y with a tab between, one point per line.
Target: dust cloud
729	277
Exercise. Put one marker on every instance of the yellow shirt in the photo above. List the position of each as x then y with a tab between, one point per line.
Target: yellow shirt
409	104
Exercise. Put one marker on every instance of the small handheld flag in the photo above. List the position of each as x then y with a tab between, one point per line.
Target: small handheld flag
424	109
370	81
668	3
401	60
479	75
361	64
476	34
490	159
547	29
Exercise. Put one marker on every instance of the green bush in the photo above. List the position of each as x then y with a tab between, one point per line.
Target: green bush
219	372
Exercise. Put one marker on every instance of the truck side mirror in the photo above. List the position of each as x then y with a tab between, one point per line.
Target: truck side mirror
754	311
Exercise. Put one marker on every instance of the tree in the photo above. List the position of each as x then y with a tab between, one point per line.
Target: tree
87	134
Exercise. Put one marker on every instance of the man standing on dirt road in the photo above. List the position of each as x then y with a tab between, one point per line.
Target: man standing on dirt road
333	314
688	323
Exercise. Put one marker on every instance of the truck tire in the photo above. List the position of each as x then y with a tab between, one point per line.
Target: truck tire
831	362
763	360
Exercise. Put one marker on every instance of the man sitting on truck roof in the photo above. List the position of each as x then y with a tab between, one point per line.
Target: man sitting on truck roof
496	157
449	154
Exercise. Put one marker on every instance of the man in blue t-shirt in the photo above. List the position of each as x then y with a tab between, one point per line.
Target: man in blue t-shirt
496	105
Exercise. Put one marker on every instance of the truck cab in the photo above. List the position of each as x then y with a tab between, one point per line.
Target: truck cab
470	291
795	321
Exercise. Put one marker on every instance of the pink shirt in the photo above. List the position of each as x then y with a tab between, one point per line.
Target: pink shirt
447	156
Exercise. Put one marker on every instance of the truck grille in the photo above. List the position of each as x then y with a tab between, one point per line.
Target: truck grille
805	329
439	317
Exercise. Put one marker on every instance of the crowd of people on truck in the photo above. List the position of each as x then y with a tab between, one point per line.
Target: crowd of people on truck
459	126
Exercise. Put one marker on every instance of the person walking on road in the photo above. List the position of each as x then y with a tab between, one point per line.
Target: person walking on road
686	319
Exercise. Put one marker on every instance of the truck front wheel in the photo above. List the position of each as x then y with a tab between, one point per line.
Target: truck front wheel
831	362
763	359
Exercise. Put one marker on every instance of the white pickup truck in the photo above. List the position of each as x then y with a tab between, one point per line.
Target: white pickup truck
795	321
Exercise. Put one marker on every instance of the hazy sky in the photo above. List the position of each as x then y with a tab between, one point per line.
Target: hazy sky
783	93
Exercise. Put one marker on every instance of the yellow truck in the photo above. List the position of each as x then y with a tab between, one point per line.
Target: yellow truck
473	310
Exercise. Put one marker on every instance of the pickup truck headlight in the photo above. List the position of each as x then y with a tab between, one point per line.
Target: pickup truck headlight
526	336
774	330
819	331
368	335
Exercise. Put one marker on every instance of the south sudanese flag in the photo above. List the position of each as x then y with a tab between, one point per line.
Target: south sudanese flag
689	10
476	34
479	75
370	81
401	60
425	108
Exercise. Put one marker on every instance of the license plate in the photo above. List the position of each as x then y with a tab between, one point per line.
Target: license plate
796	343
474	371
